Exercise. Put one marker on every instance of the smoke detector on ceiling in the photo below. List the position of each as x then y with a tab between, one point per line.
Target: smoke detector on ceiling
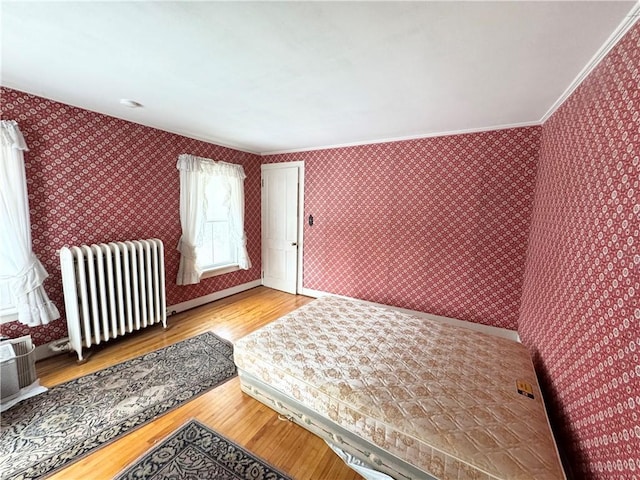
130	103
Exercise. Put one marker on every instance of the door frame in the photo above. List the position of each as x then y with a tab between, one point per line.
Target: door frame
300	241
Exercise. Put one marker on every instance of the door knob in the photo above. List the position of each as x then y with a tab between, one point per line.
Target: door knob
293	244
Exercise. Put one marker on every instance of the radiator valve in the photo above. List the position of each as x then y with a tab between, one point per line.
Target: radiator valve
61	345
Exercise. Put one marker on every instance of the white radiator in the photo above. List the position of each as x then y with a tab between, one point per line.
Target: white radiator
112	289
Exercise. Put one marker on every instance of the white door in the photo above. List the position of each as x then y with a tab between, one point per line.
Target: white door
280	221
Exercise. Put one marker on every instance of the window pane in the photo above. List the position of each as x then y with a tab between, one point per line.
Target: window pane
217	249
221	243
217	200
6	297
216	246
205	253
7	269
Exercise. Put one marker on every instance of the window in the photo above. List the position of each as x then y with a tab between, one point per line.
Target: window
8	304
21	273
218	250
213	240
8	308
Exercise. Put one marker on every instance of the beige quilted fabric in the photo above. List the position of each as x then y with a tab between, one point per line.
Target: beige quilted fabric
440	397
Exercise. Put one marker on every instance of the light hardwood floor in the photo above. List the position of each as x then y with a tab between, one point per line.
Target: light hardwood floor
226	409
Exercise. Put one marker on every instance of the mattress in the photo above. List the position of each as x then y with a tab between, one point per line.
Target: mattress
451	402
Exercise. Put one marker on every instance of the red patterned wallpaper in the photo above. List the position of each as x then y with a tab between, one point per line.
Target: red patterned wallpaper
94	178
437	225
580	312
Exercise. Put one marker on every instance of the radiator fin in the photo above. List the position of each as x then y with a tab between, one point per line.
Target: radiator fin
112	289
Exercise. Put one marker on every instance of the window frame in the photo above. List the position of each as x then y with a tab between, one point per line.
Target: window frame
220	269
10	312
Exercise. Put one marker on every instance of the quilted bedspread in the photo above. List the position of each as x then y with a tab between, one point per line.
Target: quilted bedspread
442	398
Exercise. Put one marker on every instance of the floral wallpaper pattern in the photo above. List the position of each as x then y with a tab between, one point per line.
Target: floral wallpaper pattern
93	178
531	228
438	224
580	313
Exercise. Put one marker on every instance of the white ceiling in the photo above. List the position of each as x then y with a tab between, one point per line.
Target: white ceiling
267	76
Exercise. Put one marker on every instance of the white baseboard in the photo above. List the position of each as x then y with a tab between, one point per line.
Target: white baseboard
43	351
317	293
479	327
212	297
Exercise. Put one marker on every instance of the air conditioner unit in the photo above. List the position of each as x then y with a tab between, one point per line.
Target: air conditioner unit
17	366
9	386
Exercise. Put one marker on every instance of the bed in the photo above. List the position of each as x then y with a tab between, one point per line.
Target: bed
411	397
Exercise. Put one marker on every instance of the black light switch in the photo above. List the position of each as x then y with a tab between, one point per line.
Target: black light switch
311	220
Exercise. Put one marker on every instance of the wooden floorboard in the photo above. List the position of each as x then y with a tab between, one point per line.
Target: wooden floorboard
226	409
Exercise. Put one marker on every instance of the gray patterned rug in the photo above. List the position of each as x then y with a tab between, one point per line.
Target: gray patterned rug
52	430
196	452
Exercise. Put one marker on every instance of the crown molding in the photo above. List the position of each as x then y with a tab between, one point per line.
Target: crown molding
628	22
404	139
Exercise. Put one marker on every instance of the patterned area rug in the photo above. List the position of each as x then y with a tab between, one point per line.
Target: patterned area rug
194	451
50	431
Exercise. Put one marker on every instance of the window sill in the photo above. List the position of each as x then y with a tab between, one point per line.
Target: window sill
214	272
8	315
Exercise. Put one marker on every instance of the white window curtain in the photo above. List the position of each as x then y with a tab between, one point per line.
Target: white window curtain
20	267
195	172
236	216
